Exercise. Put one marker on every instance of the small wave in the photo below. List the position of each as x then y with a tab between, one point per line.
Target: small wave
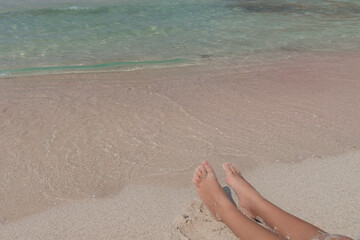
75	8
68	10
108	65
57	11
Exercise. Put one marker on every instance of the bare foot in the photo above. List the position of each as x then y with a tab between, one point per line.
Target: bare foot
246	193
208	188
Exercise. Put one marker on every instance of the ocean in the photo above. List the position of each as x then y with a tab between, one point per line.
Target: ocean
38	36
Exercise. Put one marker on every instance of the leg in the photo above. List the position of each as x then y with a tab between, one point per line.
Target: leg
215	199
285	224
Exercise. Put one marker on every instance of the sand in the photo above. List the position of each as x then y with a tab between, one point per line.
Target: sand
111	155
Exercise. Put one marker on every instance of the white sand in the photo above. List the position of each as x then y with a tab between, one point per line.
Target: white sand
111	155
324	192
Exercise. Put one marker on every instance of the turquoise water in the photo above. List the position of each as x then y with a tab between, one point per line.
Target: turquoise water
44	35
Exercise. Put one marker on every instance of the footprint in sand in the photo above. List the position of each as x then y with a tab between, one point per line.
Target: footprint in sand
197	224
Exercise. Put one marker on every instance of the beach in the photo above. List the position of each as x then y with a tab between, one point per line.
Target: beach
110	155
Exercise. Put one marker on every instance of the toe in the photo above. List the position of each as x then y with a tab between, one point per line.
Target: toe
196	180
234	169
198	174
207	166
227	168
202	170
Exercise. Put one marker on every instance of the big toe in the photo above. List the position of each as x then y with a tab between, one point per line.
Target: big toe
207	167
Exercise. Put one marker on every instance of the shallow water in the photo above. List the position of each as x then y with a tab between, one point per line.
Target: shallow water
39	33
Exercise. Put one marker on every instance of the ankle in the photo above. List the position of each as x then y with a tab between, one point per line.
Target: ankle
257	204
224	206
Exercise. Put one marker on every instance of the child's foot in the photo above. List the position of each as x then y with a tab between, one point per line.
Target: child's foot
247	195
208	188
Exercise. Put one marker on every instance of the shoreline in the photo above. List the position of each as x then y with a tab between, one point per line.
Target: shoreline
81	68
203	61
69	138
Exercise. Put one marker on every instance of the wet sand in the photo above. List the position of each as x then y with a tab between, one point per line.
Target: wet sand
111	155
